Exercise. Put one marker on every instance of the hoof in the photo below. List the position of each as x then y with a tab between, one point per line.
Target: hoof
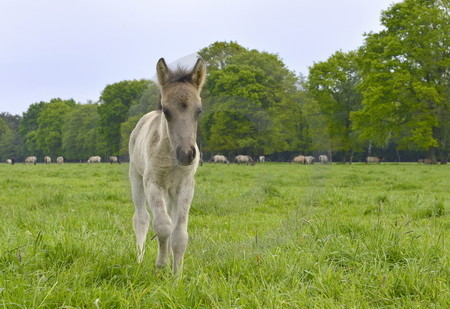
161	270
140	257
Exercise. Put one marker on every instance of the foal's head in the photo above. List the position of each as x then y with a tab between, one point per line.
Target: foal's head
181	106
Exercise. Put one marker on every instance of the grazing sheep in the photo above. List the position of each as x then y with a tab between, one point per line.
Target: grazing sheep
31	159
428	161
220	159
243	159
94	159
114	159
323	159
309	160
370	160
299	159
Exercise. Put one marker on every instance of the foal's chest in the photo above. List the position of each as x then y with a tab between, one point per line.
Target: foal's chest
167	177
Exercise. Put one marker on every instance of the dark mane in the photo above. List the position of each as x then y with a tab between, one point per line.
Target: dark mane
180	75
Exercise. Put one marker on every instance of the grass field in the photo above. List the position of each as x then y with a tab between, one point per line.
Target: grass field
264	236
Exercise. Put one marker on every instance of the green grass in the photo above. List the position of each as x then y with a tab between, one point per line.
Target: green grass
264	236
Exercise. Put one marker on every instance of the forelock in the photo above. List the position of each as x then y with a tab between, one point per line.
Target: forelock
180	75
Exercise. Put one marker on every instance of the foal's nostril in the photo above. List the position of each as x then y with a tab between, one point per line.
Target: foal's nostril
185	158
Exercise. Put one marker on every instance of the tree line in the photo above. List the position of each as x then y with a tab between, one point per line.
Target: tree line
389	98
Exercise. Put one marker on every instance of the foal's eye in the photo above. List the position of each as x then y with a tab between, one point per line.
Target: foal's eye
166	112
198	112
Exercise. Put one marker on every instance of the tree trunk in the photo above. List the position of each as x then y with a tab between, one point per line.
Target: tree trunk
344	157
398	155
369	149
443	154
444	157
431	154
351	157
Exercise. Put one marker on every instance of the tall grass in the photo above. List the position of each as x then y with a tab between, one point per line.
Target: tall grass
264	236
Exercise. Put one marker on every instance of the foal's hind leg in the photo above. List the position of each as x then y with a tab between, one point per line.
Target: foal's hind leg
141	216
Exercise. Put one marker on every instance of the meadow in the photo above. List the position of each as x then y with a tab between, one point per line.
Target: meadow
265	236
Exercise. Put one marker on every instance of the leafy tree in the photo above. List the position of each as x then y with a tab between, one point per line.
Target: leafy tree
276	77
406	78
147	102
11	143
231	132
333	84
115	102
236	101
28	128
5	131
81	138
241	81
218	54
8	146
125	131
50	121
13	121
250	97
3	127
282	102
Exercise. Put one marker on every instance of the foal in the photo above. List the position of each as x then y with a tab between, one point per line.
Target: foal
163	160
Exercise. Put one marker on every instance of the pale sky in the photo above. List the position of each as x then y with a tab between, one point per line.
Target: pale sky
74	48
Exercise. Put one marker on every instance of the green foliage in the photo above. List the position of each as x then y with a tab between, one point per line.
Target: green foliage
406	81
11	144
240	81
28	127
4	128
81	137
50	121
147	102
125	131
231	131
251	102
217	55
115	102
333	84
265	236
13	121
5	136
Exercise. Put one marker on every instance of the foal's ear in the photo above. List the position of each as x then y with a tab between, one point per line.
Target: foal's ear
163	72
199	73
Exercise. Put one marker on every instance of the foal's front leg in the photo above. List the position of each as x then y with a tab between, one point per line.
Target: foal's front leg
179	238
162	224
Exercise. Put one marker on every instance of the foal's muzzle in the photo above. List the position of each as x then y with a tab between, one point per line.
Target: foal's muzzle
186	157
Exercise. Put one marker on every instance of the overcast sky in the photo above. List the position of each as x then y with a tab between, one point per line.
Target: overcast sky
74	48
